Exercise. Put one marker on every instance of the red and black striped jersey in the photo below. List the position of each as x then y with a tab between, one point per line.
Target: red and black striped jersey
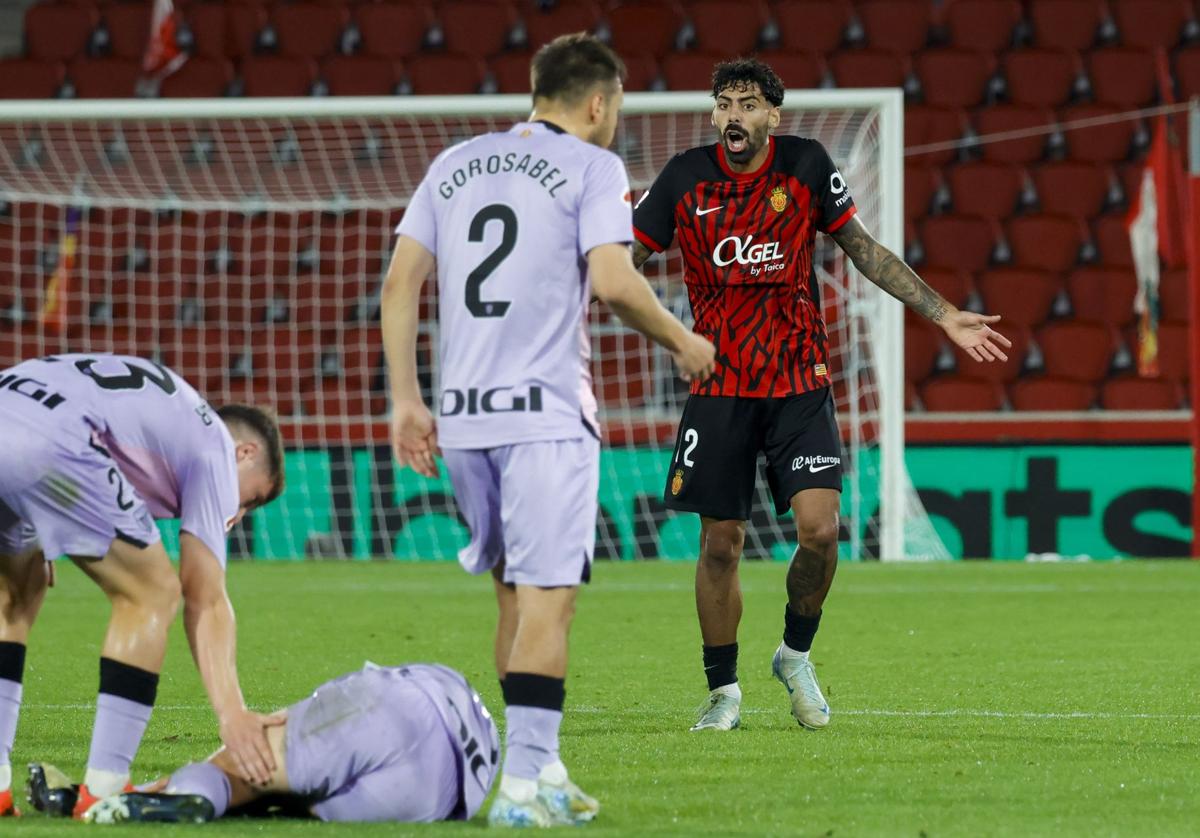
747	245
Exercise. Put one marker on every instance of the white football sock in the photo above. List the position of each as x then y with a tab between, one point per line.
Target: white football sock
518	789
104	784
732	690
790	654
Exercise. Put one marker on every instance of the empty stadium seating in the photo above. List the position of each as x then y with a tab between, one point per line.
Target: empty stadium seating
1021	160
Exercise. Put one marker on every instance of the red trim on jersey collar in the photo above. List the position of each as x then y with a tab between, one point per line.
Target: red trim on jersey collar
842	219
646	240
724	164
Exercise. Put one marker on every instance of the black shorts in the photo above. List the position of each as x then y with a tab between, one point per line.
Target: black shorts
716	452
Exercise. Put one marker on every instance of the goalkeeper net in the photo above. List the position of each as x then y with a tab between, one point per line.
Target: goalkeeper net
243	244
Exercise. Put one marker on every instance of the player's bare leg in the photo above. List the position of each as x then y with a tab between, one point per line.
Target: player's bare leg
719	607
809	577
506	620
198	792
534	787
144	592
23	582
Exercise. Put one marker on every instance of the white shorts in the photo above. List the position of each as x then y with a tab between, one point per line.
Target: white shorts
533	506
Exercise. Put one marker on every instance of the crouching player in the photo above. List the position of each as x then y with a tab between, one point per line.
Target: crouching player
406	743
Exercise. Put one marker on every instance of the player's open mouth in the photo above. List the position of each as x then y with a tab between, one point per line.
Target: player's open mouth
736	140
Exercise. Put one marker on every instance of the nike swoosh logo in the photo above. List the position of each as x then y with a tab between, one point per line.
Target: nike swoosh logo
707	211
814	469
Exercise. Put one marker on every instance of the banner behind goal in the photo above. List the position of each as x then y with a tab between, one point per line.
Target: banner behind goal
243	243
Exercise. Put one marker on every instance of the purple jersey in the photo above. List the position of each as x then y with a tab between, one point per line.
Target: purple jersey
510	217
162	436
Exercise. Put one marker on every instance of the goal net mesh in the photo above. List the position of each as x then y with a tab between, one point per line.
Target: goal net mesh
247	254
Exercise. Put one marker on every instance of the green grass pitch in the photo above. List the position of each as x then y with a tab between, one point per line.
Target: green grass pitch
968	699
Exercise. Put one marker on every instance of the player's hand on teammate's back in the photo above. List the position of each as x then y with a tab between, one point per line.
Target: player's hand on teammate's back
695	358
975	335
244	734
414	437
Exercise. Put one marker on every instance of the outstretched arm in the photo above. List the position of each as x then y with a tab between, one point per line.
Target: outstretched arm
970	331
212	635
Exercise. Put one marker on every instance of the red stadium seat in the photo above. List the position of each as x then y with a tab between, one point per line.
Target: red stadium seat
1052	394
199	77
1045	240
476	27
643	72
959	241
798	70
1174	298
277	75
1151	23
953	284
360	75
264	392
58	32
1123	76
960	394
988	189
643	27
1023	297
620	370
206	22
925	125
921	348
1112	240
203	356
1066	24
1041	77
954	78
1102	143
105	78
393	29
811	25
1077	349
1002	118
982	25
869	68
308	29
543	25
1187	72
729	27
689	70
1132	392
444	73
900	26
335	401
128	26
921	183
1174	351
1071	187
243	24
27	78
1104	295
511	72
286	357
358	355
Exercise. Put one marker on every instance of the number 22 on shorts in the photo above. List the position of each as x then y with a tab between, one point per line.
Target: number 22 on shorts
691	438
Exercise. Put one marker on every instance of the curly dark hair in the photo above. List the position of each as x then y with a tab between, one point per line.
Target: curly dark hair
741	73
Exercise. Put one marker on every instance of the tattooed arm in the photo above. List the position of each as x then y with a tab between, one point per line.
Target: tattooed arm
641	254
887	270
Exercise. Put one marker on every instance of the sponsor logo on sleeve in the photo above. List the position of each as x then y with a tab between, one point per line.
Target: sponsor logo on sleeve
815	464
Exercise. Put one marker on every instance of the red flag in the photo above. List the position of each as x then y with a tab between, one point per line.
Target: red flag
1155	221
58	292
163	53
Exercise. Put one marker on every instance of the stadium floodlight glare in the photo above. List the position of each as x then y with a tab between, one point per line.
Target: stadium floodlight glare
243	241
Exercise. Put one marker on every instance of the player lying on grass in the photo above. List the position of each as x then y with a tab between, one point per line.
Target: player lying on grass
745	212
402	743
94	449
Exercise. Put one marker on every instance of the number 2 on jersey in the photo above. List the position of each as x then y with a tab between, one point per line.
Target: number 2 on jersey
508	240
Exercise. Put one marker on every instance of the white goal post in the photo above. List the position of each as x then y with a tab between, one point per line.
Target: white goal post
245	239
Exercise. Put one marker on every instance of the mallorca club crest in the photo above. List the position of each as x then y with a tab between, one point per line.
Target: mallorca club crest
779	199
677	482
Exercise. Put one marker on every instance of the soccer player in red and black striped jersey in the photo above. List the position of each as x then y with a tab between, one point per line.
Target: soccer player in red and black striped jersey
745	212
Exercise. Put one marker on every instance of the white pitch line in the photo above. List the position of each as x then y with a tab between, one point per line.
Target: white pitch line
961	712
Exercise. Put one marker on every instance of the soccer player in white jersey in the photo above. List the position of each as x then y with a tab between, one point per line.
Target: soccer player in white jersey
94	449
518	225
